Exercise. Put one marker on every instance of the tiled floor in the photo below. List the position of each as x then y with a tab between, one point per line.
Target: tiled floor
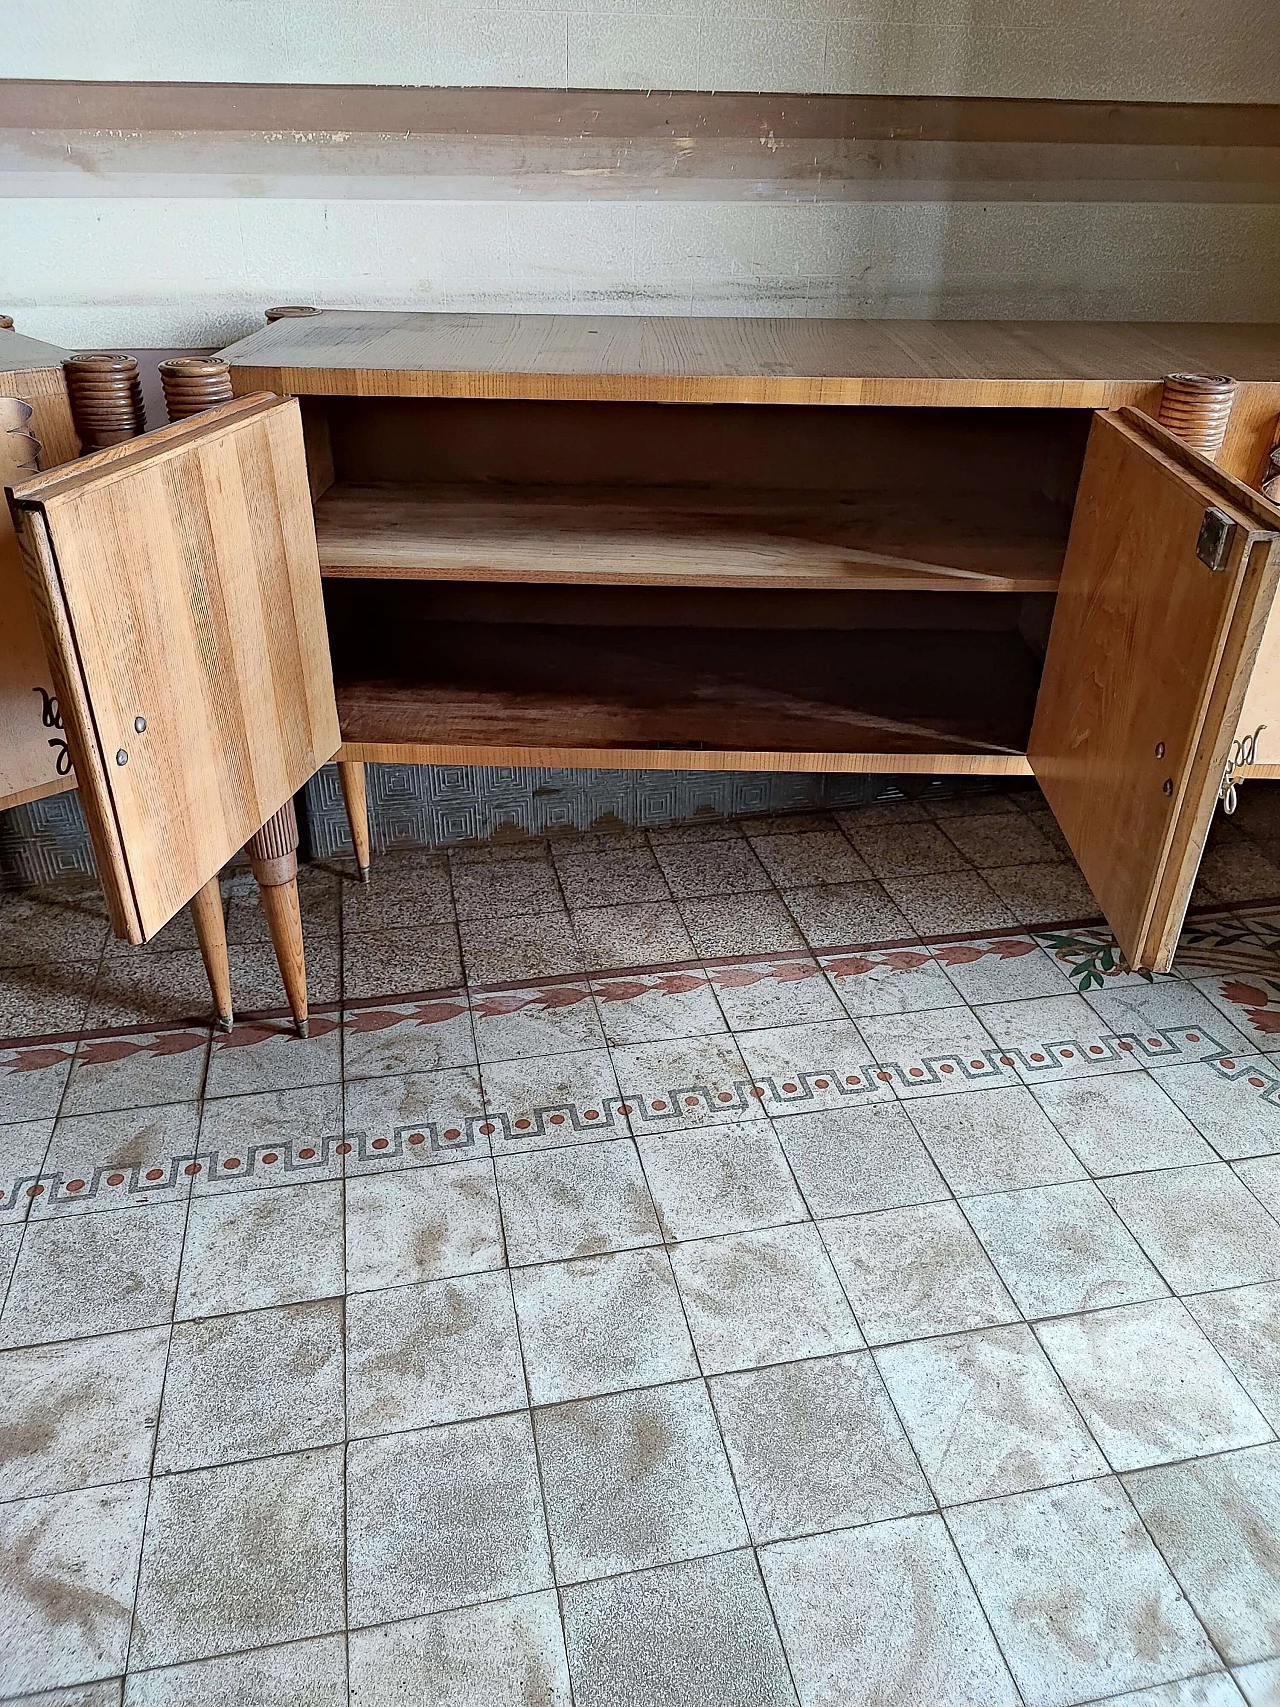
756	1264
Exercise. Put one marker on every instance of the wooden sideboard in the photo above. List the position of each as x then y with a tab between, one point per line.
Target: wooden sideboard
735	544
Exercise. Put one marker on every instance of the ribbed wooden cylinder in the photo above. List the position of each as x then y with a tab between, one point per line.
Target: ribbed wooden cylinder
277	837
106	398
193	384
1197	406
289	313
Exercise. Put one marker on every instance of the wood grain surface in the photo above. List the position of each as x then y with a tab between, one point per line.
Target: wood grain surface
178	587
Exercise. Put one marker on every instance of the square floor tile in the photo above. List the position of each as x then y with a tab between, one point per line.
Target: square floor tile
816	1445
847	1160
635	1479
1122	1123
248	1385
268	1055
1262	1176
505	888
837	1598
1003	838
443	1517
1010	968
809	857
32	1081
1059	1037
536	945
1233	1105
404	889
653	1007
934	1054
297	1674
740	924
1040	893
600	1325
595	878
1244	1325
138	1071
804	1067
546	1019
23	1145
249	1250
407	1037
645	933
791	991
903	850
695	868
418	1224
119	1158
993	1140
240	1556
914	1271
84	1695
558	1204
1217	1523
1150	1385
1201	1227
1260	1684
1146	1012
890	981
694	1634
757	1298
1081	1601
834	915
238	1134
552	1100
987	1415
401	962
92	1274
1210	1689
1062	1247
507	1654
719	1179
66	1595
950	902
82	1412
421	1117
438	1353
687	1081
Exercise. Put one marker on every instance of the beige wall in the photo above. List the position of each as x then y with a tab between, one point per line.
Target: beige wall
153	260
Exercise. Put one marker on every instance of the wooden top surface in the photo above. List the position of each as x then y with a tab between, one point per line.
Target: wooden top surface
427	354
19	354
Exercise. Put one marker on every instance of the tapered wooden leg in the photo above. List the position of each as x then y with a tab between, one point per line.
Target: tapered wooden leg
211	934
273	859
351	776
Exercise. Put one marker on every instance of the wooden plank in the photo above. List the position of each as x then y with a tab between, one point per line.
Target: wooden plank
180	589
685	759
665	537
1145	673
742	360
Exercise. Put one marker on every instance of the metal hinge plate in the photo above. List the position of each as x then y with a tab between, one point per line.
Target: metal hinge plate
1214	544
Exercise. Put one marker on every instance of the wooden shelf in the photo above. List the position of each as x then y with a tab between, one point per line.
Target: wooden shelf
673	536
707	698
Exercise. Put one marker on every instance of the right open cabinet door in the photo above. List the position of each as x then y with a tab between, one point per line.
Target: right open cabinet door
1169	577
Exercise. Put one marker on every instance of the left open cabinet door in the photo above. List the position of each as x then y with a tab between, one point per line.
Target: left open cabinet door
178	593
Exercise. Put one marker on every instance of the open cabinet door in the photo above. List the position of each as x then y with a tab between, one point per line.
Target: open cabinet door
1169	576
178	592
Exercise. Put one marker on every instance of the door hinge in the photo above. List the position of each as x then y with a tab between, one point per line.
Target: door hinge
1243	752
1214	544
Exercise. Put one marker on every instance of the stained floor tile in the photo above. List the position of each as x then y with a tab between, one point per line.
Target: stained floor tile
643	933
815	1445
390	1038
847	1160
601	1324
1244	1325
250	1250
558	1204
635	1479
1082	1603
417	1224
915	1271
1201	1227
687	1081
1150	1385
757	1298
884	1613
804	1067
443	1517
1123	1123
93	1274
240	1556
1233	1106
987	1415
552	1099
417	1117
1062	1247
938	1053
298	1674
695	868
509	1653
719	1179
694	1634
993	1140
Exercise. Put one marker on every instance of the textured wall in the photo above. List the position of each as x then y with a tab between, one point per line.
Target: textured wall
1137	50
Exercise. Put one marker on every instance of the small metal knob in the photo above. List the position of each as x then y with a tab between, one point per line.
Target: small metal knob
140	724
122	758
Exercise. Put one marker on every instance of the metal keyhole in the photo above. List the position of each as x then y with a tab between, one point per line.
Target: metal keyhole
1168	785
1159	749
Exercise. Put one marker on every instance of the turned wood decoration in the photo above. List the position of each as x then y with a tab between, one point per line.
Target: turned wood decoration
106	399
288	313
6	322
193	384
1197	406
273	858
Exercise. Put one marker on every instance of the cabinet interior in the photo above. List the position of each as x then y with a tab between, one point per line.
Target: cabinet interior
708	579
